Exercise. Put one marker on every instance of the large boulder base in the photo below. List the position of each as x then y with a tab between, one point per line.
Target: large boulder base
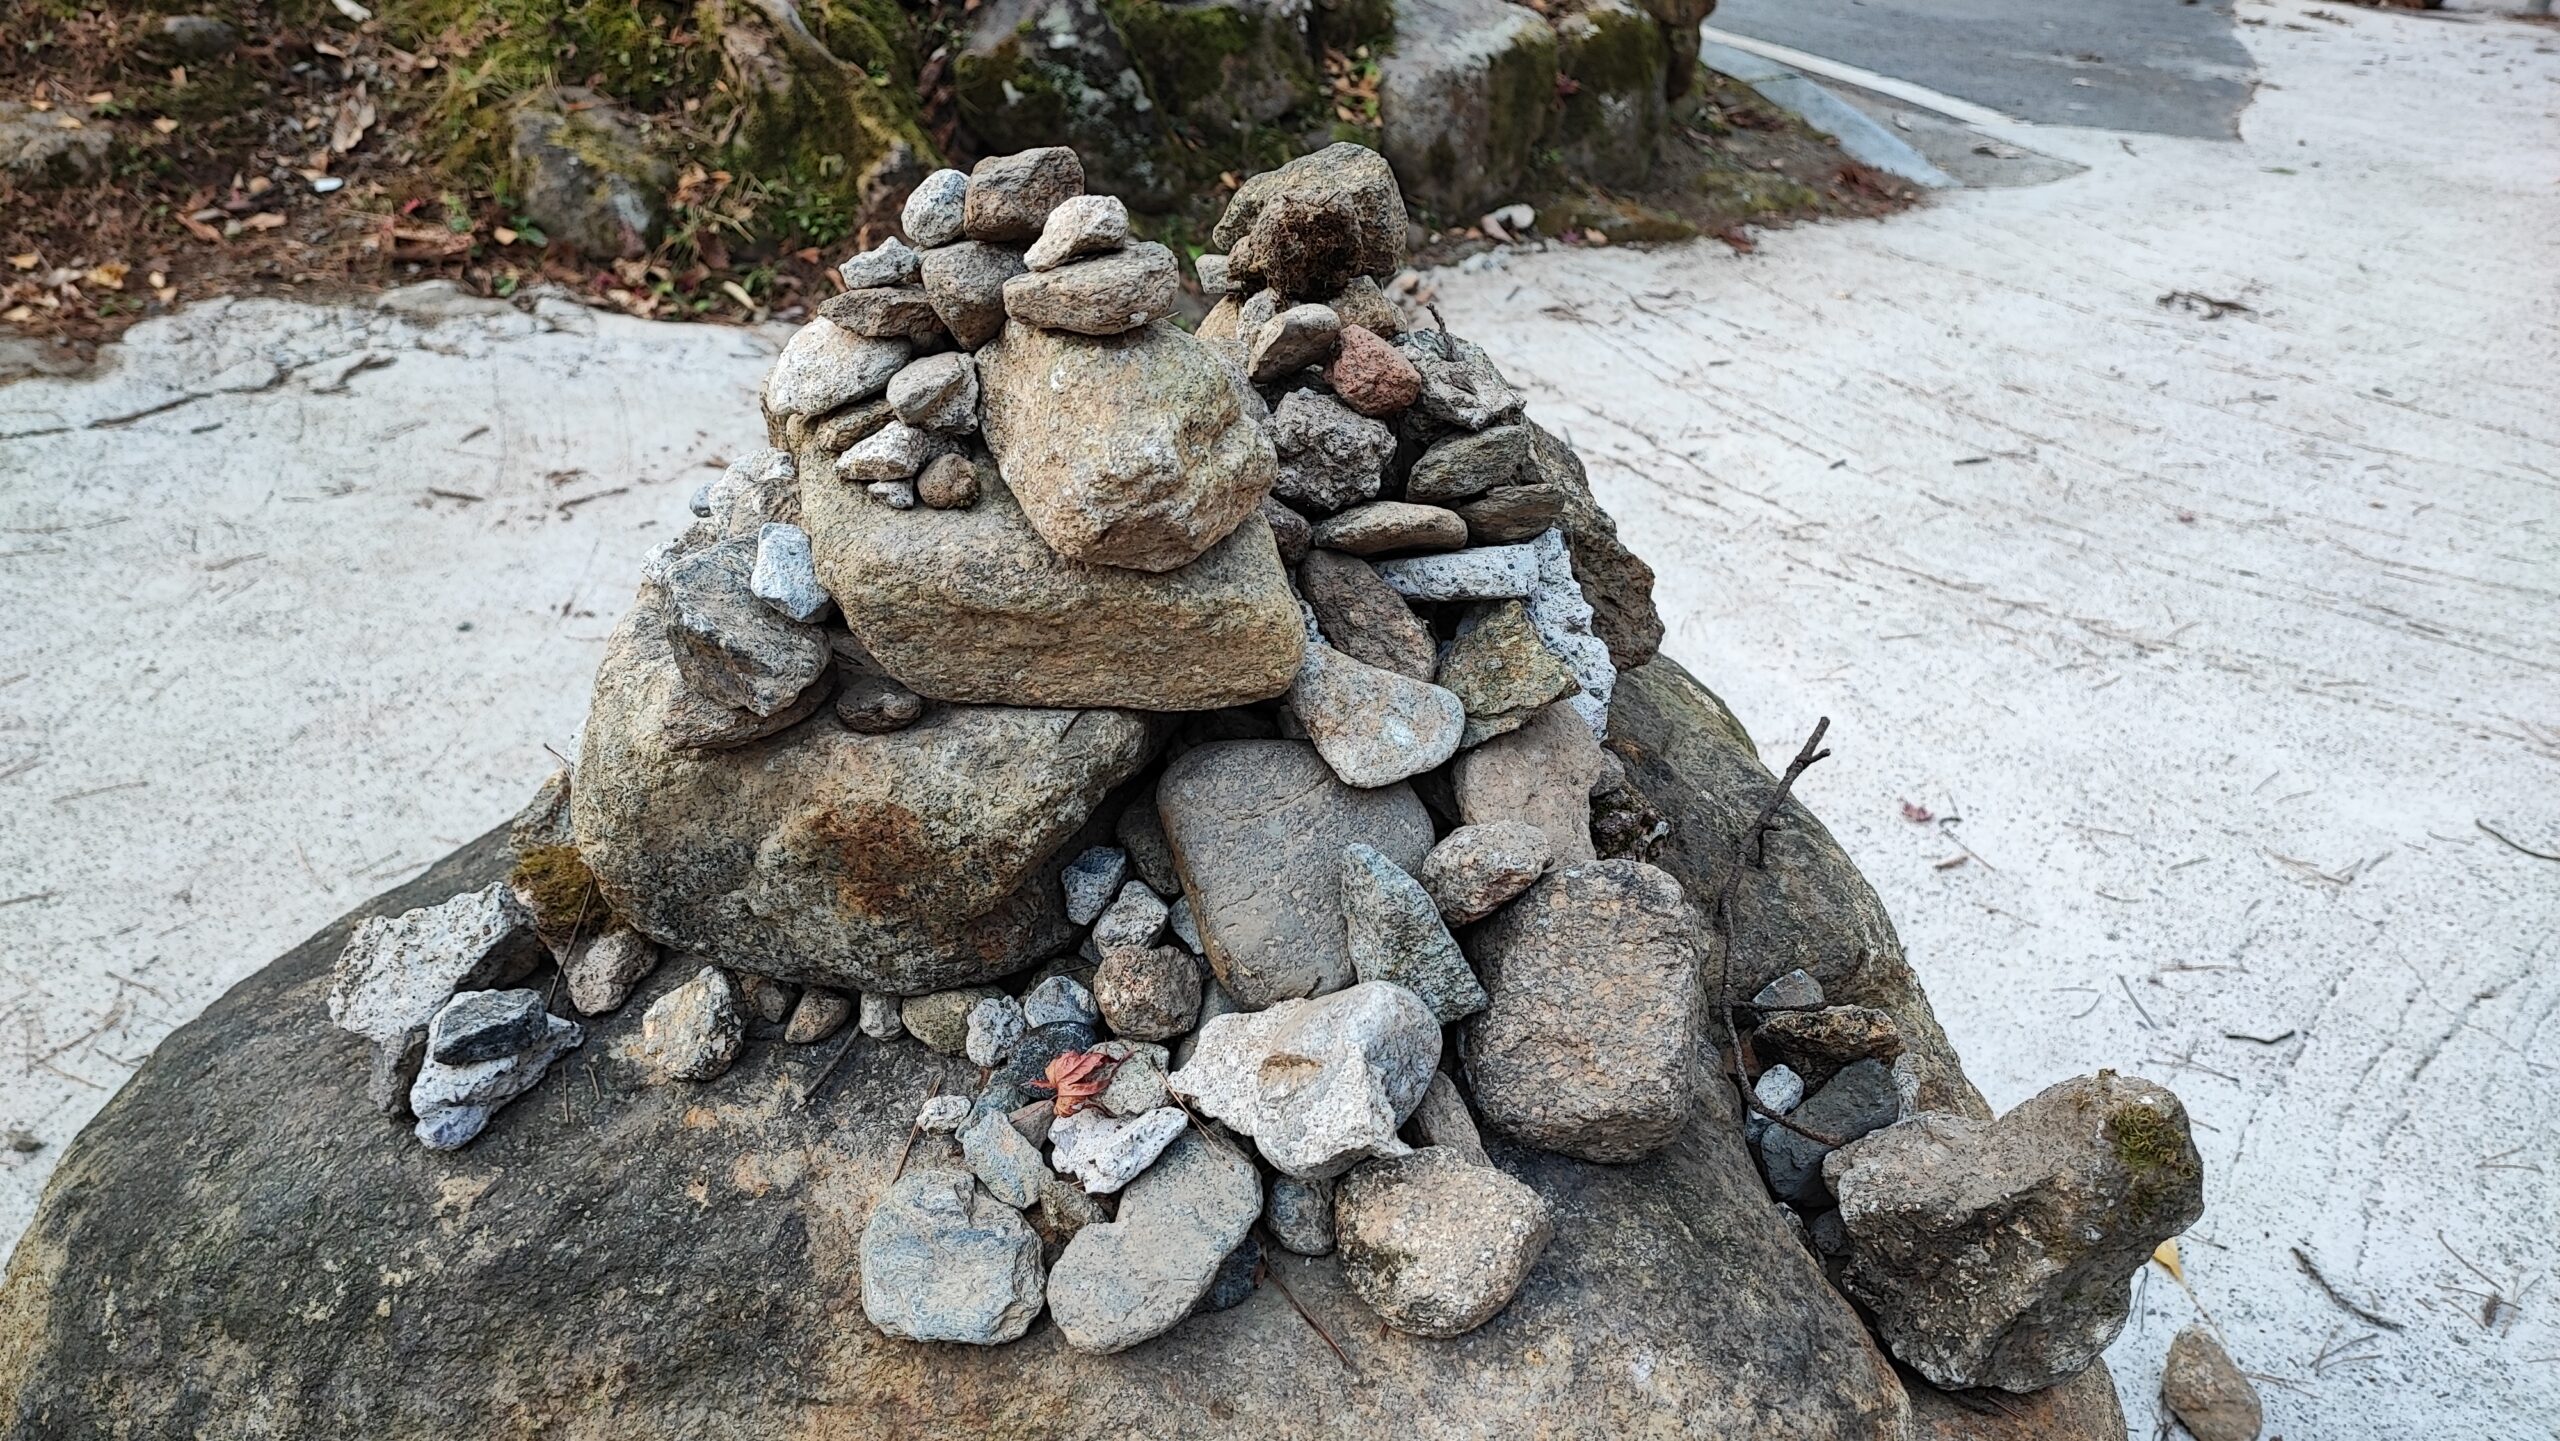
237	1247
909	862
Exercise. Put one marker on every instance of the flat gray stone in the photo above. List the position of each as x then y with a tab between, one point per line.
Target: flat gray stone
896	451
1397	936
824	366
1103	295
1010	196
1373	726
730	647
895	312
891	262
1131	1279
487	1026
1794	991
942	1260
1501	670
1493	572
1092	881
1006	1163
1082	226
1384	527
395	974
1464	466
937	393
1135	917
1107	1152
1059	998
1258	829
1298	337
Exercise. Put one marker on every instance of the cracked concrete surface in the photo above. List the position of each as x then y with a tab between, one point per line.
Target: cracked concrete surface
2206	646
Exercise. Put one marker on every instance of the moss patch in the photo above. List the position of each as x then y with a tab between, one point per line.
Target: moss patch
2155	1152
555	883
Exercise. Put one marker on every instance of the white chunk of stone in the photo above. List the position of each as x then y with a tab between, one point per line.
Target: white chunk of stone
1106	1152
397	972
1319	1084
895	451
995	1028
786	574
1487	572
1562	615
825	365
935	208
1085	225
891	262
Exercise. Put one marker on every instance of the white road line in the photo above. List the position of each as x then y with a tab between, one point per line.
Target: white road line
1902	90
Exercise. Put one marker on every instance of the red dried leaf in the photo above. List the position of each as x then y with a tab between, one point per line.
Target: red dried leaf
1076	1078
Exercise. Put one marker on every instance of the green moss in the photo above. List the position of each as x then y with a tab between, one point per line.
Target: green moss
2155	1152
1184	48
1342	24
555	883
1625	222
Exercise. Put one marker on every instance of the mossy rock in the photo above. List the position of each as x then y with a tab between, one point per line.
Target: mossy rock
1465	101
1222	65
1059	72
1347	24
1612	119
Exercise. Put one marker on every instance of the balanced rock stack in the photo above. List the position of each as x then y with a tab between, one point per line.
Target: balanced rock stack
1202	735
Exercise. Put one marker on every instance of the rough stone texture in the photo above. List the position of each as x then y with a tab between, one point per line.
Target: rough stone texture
1140	832
948	482
1105	295
1822	1041
395	974
1512	513
1059	998
2206	1392
785	578
876	705
995	1029
1500	572
1107	1152
1502	672
1258	829
2001	1253
1130	1279
1383	526
936	210
1289	342
1435	1242
1607	129
965	283
1092	881
1461	386
972	605
942	1260
1464	466
941	1019
1006	1163
487	1026
1373	726
1540	774
1360	302
1617	583
1300	1215
825	365
937	393
151	1243
1354	181
1078	227
693	1032
1589	1043
602	970
892	262
878	1017
1330	457
894	452
1363	617
1794	991
728	645
1475	868
885	313
757	489
1564	620
584	171
1137	1080
765	998
453	1100
1010	196
818	1014
1318	1084
1148	993
1851	1104
1371	376
1397	936
1135	917
903	863
1137	451
1444	1120
1289	530
1463	101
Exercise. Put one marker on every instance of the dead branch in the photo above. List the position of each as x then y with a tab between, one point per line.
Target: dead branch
2308	1267
1749	850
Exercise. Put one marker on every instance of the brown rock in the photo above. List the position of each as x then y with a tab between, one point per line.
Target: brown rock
2002	1253
1134	451
885	313
1350	221
1541	774
1105	295
1369	375
1464	466
1437	1242
1589	1046
1385	526
2207	1393
971	605
965	282
1512	513
820	1013
1148	993
1504	674
1475	869
1362	616
949	482
1819	1042
1258	829
1221	321
1010	196
1289	530
1362	303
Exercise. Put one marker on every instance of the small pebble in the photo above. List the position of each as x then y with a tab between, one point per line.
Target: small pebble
1092	880
1059	998
934	210
995	1028
950	482
942	1115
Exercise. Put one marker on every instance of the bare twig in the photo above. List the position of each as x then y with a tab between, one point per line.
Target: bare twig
2512	844
2310	1268
1312	1323
914	1128
811	1094
1748	850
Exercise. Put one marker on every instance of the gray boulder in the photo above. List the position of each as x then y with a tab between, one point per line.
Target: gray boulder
906	863
1132	1278
585	174
1589	1043
972	605
1464	100
730	647
180	1222
1136	451
1437	1243
942	1260
1257	829
2002	1253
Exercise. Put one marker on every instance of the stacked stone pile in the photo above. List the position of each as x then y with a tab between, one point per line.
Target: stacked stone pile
1201	736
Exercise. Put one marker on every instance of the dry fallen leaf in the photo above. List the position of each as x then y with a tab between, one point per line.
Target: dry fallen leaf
2166	1258
165	125
28	261
355	117
101	97
111	275
264	220
67	122
1071	1079
18	314
503	235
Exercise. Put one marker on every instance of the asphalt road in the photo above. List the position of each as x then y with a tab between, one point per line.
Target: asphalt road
2162	66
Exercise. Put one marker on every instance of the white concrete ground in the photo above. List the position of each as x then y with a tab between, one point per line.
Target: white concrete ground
2206	645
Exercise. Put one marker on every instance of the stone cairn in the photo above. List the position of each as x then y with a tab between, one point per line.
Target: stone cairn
1202	735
